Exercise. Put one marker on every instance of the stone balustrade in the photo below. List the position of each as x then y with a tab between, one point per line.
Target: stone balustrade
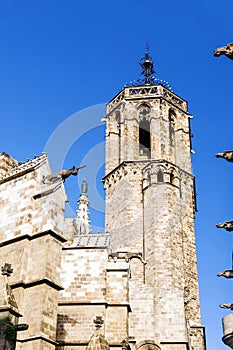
135	92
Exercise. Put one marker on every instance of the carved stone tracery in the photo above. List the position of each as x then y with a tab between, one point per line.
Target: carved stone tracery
119	173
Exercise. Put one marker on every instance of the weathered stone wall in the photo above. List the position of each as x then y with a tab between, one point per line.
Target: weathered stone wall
75	323
28	206
197	337
124	207
141	319
31	228
189	250
112	141
83	274
164	255
118	301
92	287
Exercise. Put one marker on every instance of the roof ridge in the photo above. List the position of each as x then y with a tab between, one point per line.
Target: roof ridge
24	167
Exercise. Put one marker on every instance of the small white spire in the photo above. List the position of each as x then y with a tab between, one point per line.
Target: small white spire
82	222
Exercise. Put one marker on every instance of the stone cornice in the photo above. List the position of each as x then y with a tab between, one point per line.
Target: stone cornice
24	168
39	337
125	167
93	303
31	237
10	310
30	284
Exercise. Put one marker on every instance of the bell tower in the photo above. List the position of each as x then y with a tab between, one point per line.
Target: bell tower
150	208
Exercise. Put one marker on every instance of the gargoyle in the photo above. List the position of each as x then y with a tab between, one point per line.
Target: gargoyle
225	50
61	175
228	155
226	273
127	256
228	225
113	256
226	306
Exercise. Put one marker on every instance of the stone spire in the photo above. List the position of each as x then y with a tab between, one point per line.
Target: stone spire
7	299
98	341
82	222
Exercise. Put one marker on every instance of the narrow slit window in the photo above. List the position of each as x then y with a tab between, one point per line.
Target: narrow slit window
172	178
160	176
144	138
172	117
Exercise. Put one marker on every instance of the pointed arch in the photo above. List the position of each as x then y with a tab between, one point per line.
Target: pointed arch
144	111
147	345
144	105
159	173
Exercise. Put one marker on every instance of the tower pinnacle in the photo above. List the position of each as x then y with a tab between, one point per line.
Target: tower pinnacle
147	67
82	221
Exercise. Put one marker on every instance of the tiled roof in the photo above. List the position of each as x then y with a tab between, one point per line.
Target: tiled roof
92	240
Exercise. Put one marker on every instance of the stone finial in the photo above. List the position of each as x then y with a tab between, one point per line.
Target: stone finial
82	222
228	225
226	274
228	155
225	50
6	269
98	321
84	186
98	341
226	306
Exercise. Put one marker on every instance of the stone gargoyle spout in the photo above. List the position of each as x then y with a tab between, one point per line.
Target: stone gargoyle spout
62	175
228	225
225	50
66	173
226	274
228	155
226	306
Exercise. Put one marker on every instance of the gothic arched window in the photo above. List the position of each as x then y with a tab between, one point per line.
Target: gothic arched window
144	138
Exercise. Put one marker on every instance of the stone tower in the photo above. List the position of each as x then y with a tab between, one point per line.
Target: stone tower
150	211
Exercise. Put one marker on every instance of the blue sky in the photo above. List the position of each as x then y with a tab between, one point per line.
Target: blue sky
59	57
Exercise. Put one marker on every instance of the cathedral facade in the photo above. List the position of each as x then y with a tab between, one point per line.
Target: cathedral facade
133	287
